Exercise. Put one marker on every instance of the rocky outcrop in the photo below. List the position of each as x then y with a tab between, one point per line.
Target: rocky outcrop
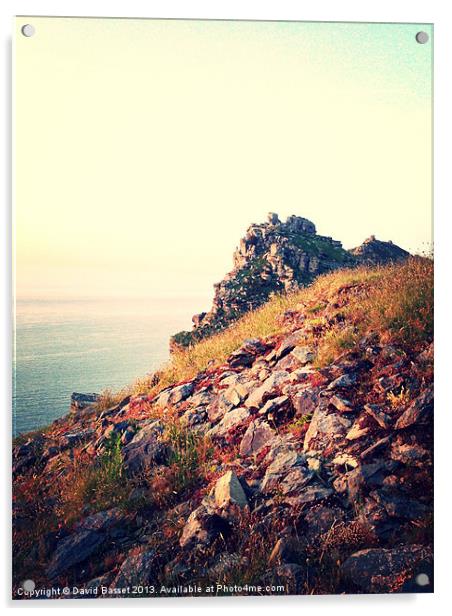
376	252
318	477
276	257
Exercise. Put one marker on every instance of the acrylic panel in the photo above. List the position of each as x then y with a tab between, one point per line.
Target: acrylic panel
223	346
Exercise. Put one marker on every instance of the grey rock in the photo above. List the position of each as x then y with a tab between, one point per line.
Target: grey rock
411	454
343	382
374	570
309	494
398	505
174	395
272	406
303	354
136	569
231	420
341	404
73	550
319	520
279	469
325	428
244	356
228	491
419	411
82	401
358	430
305	401
287	344
101	521
377	413
256	437
258	395
202	527
145	451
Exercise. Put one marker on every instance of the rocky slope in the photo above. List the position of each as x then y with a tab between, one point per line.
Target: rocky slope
301	464
276	257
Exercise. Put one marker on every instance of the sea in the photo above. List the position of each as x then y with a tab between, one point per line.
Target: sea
87	346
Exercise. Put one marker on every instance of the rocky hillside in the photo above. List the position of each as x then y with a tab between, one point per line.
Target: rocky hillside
276	257
291	453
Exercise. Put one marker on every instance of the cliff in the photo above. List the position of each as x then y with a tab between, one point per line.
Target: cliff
293	449
278	257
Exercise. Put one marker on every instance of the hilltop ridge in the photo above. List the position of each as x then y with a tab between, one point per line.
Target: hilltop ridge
278	257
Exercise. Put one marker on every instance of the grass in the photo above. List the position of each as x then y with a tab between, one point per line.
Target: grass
105	486
190	455
395	301
99	486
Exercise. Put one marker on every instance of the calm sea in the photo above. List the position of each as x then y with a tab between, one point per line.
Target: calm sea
87	346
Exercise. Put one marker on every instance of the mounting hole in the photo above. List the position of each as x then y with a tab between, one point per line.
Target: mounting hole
422	579
28	30
28	585
422	38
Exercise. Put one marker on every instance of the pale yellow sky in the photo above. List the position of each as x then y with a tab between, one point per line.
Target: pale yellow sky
144	148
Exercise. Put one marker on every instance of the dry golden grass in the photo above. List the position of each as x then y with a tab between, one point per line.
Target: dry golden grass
394	300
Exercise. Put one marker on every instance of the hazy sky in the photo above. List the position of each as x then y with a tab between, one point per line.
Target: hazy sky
144	148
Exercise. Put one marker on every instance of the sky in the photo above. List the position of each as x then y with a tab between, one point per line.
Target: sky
145	148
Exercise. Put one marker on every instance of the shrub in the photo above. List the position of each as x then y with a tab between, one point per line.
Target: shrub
106	486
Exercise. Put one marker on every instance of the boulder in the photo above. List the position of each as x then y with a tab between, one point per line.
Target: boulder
136	569
287	344
174	395
341	404
256	437
145	451
325	428
362	478
228	490
280	468
202	527
378	415
319	520
268	387
358	430
83	401
303	354
273	406
419	410
244	356
308	495
103	521
410	453
305	401
376	570
231	420
343	382
73	550
399	505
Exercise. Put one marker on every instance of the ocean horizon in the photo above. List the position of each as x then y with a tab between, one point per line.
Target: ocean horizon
87	345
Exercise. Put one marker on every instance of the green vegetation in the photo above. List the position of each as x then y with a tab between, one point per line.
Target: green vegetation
105	487
190	453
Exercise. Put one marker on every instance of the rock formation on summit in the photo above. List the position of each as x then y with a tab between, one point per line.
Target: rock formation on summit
276	257
375	252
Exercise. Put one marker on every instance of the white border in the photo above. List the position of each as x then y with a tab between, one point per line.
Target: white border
427	11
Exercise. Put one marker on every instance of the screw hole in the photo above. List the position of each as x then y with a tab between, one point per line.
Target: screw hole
422	37
28	30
